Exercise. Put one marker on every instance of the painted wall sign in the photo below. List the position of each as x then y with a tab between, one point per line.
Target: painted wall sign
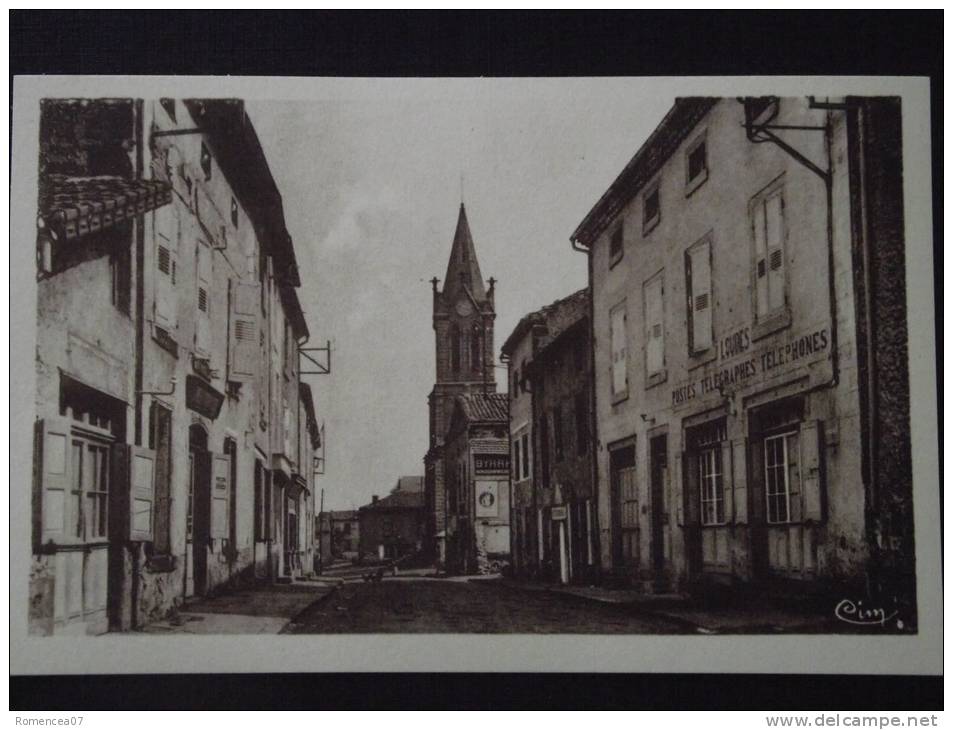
736	364
487	499
491	462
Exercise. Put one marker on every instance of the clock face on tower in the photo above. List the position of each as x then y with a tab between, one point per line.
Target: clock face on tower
463	307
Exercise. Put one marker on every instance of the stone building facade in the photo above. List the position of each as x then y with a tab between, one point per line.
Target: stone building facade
174	439
476	459
463	318
737	266
554	513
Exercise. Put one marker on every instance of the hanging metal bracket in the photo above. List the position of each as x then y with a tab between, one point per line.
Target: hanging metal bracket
318	365
758	133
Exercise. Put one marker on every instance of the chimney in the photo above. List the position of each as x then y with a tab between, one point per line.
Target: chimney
374	499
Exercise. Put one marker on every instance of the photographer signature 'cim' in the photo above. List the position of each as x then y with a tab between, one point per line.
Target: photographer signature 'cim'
855	613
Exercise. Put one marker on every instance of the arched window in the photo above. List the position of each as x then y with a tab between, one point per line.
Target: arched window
454	348
476	348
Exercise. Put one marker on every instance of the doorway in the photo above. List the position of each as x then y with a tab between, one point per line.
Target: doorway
624	506
198	520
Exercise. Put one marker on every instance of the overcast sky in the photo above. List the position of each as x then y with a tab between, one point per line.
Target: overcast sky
371	187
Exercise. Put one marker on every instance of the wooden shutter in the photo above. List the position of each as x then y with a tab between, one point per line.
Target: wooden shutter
203	305
728	480
221	489
756	486
761	260
166	267
774	232
133	493
654	327
699	296
618	337
52	479
243	345
691	514
740	482
812	472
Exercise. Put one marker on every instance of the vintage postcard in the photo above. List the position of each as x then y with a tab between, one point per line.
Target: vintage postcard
610	374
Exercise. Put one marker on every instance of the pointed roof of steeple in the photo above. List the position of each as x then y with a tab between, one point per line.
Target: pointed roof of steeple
463	268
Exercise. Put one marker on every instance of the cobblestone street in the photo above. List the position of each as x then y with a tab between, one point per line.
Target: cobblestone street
421	605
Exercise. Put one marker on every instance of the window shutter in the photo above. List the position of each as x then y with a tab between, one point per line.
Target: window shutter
618	351
761	262
691	496
756	484
133	499
221	488
243	353
203	334
166	240
52	482
739	481
812	471
774	231
728	480
700	296
655	333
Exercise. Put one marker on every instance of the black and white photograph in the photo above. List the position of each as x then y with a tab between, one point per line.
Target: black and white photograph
421	376
303	369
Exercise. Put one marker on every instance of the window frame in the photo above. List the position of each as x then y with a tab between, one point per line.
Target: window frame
706	241
693	183
784	436
773	319
618	395
712	485
618	234
650	223
659	375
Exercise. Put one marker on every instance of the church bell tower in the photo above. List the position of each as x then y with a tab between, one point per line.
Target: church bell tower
463	317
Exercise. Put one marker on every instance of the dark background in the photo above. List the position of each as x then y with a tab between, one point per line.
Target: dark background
490	44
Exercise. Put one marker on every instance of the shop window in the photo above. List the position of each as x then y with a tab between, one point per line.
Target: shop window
698	285
618	338
696	164
616	245
769	273
781	477
653	291
651	208
707	445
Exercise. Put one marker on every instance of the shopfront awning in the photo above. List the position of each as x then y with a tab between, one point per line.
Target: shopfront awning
72	207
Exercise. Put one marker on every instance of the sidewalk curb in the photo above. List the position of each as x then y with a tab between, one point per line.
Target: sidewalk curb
317	602
635	606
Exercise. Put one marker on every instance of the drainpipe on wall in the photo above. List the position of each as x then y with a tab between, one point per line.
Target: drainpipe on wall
594	528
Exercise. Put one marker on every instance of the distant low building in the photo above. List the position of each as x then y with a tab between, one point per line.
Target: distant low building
345	528
393	527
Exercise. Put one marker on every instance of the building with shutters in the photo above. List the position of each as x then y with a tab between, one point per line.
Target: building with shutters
477	487
554	533
746	270
174	437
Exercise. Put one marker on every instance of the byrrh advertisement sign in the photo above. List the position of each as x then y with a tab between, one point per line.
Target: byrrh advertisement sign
738	365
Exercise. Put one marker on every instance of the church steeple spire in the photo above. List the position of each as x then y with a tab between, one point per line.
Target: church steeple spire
463	269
